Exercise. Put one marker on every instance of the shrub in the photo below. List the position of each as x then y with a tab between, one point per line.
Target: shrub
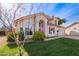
38	36
10	37
21	36
2	32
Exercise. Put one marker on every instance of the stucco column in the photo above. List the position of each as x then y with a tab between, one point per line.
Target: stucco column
37	25
46	29
56	29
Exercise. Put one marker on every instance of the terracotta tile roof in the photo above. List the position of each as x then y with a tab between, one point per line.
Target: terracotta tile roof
22	18
72	24
52	18
61	26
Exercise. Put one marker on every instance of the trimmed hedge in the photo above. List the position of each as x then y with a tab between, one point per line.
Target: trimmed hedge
38	36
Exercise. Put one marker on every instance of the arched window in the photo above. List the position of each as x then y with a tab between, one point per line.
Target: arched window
41	25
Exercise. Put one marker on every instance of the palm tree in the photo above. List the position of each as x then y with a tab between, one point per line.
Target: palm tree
61	21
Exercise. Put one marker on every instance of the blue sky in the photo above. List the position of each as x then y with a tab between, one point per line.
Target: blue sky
68	11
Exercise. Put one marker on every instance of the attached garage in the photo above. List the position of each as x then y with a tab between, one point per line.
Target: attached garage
74	33
72	29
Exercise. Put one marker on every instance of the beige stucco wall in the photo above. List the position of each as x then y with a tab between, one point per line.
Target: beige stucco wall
54	20
38	18
52	34
24	23
72	28
60	29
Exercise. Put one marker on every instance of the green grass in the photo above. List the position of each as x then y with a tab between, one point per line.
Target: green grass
8	50
58	47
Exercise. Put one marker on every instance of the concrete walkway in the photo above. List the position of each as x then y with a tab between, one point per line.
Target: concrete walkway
2	41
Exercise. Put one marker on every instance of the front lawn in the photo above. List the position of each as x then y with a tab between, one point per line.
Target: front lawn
57	47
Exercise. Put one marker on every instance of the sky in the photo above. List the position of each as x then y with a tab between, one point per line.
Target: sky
67	11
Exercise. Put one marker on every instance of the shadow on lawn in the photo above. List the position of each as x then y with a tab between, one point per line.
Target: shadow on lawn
12	45
23	50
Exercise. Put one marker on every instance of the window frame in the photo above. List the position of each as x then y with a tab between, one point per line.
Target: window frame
28	31
21	28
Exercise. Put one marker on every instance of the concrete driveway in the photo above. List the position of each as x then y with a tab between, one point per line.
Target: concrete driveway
72	37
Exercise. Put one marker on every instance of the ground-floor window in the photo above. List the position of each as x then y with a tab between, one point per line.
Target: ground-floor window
57	31
51	30
21	28
28	31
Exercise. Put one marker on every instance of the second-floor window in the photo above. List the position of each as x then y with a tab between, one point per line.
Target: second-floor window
56	22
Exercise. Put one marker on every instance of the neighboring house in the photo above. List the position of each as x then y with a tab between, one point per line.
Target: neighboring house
2	31
39	22
72	29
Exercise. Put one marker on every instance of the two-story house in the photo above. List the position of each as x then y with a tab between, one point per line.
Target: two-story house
39	22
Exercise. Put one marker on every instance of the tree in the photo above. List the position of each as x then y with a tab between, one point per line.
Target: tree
61	21
8	16
32	6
